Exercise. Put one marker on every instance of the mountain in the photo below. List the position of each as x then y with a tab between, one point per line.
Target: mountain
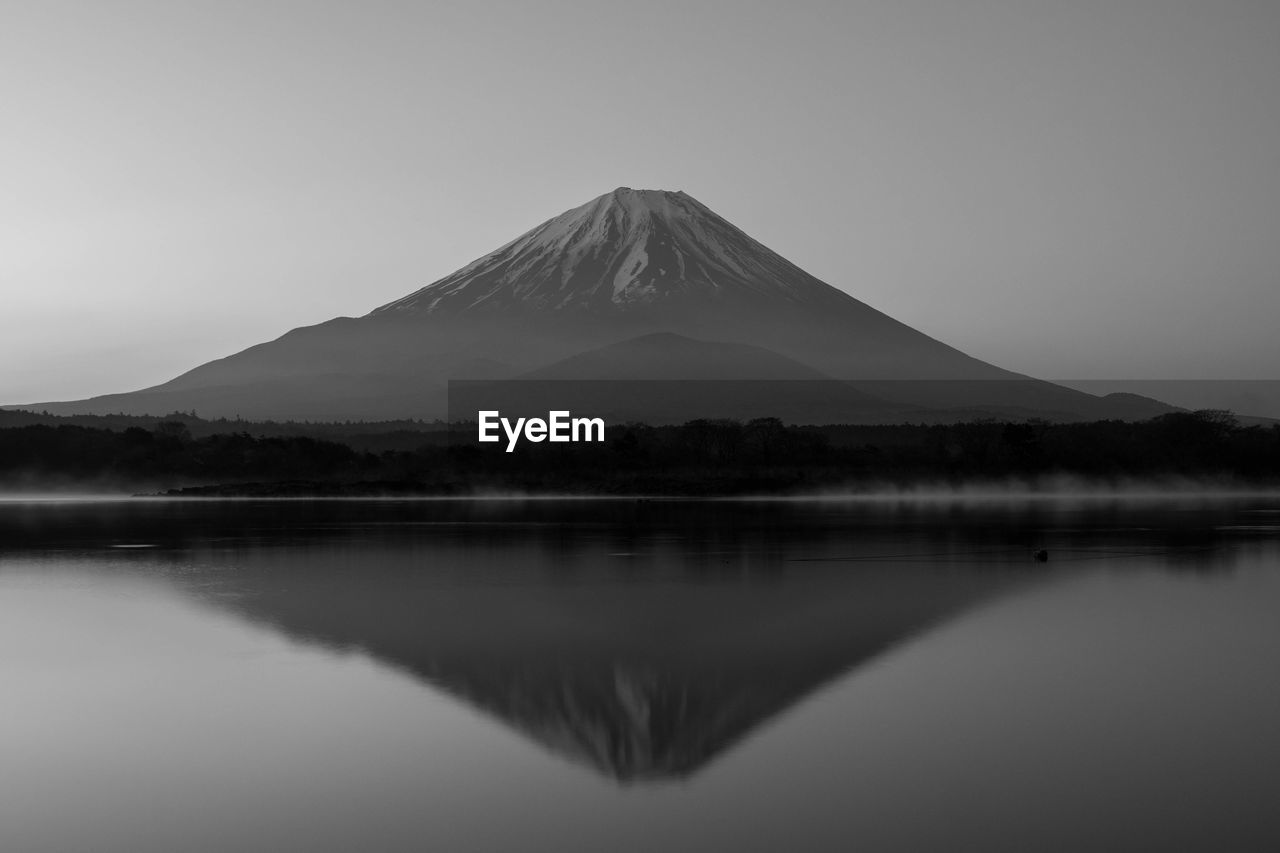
627	264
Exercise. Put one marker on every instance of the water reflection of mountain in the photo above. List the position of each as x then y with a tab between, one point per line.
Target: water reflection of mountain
642	650
642	642
638	679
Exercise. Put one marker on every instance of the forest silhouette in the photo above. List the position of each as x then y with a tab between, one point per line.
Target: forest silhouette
701	457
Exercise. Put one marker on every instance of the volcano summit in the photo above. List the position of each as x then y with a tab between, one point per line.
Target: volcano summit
624	266
625	249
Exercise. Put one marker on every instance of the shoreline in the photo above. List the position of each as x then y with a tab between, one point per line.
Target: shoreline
957	495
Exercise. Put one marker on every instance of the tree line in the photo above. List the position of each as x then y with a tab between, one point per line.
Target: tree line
698	457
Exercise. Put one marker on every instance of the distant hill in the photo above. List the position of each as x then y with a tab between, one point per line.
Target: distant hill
672	357
665	378
1254	399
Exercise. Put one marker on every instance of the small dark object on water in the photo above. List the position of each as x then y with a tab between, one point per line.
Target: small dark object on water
1041	556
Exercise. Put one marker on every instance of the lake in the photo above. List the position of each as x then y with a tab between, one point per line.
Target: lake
604	675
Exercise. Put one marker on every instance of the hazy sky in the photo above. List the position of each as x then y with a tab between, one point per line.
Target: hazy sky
1075	188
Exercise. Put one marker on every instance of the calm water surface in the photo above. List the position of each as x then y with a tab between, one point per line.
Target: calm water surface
622	675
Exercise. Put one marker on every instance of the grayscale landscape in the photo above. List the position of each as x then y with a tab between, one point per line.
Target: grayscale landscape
684	426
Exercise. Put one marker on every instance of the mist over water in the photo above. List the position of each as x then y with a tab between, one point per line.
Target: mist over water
638	675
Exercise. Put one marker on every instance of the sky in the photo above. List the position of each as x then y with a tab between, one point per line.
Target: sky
1084	189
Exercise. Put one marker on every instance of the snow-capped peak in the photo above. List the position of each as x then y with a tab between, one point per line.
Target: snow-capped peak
625	248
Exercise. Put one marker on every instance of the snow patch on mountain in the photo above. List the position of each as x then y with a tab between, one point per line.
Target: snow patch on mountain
625	248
